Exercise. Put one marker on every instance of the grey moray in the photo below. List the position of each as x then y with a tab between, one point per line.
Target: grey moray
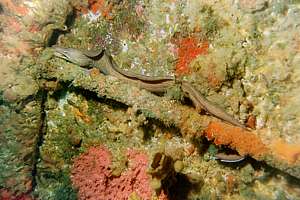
155	84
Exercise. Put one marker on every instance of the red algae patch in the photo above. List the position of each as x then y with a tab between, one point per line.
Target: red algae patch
245	142
188	49
285	151
101	6
96	5
92	176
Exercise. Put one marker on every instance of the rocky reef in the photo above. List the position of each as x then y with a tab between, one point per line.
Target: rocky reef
72	132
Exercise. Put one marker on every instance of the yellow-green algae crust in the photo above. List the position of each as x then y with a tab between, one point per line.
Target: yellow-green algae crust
254	52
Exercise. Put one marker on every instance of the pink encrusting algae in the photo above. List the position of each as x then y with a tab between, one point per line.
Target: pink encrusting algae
92	176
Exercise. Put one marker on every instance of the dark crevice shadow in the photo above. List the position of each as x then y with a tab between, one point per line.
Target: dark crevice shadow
188	102
54	37
149	128
70	19
68	87
42	95
1	9
201	143
180	187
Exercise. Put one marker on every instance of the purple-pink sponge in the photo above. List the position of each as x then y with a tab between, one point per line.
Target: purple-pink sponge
92	176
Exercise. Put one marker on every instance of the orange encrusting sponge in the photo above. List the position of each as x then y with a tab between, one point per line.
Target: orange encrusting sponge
245	142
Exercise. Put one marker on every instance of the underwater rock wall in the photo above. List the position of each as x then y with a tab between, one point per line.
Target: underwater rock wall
57	117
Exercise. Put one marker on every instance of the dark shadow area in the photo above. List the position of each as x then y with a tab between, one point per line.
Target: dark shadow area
54	37
1	9
187	101
67	86
70	19
201	143
149	128
93	96
42	95
2	101
180	187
